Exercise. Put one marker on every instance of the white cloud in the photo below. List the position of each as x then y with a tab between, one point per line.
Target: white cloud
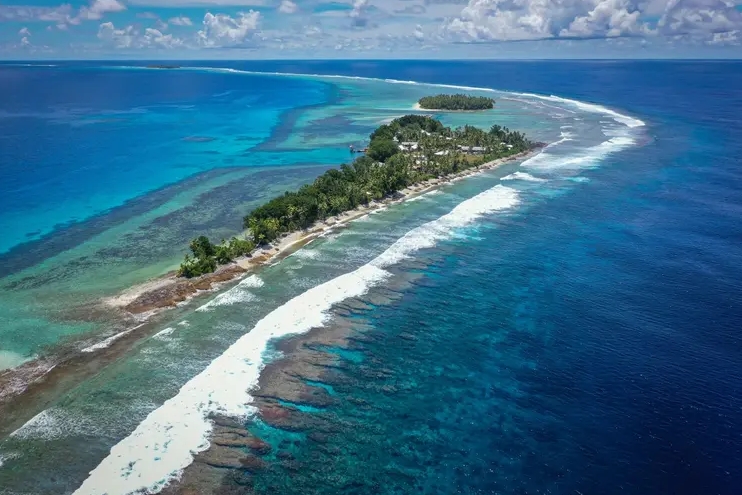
713	21
608	18
98	8
222	30
419	35
358	14
727	38
505	20
24	32
21	13
197	3
155	38
180	21
62	15
131	37
121	38
287	7
25	41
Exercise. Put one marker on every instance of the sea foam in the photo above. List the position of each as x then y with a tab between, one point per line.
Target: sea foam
164	333
165	442
586	158
523	176
110	340
590	107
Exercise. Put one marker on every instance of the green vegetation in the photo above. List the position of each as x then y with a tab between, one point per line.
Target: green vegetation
406	151
456	102
205	256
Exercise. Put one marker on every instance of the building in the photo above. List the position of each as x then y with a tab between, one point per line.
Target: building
472	149
408	146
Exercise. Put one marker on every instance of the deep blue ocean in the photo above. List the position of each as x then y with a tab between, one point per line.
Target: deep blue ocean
582	339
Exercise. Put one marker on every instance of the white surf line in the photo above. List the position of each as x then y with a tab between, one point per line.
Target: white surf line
235	295
110	340
167	440
524	176
590	107
164	333
585	106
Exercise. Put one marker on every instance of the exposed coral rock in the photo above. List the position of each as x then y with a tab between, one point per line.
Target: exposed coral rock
221	457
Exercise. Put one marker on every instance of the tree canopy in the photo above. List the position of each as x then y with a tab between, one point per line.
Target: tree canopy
385	170
456	102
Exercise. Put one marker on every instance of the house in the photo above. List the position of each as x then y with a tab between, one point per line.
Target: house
408	146
441	153
472	149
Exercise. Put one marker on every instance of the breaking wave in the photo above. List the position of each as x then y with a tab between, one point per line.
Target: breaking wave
165	442
523	176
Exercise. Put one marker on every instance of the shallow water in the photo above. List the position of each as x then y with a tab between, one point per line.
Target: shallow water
553	335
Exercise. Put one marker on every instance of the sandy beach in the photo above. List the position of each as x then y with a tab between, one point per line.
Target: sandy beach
27	387
153	296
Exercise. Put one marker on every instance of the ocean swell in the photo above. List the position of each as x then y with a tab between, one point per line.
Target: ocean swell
166	441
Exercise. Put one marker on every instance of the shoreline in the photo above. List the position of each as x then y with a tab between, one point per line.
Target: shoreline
418	108
26	388
153	296
236	448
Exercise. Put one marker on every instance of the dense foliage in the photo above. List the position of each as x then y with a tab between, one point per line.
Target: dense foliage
205	256
456	102
384	170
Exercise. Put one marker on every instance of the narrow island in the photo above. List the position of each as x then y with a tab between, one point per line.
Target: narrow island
406	152
458	102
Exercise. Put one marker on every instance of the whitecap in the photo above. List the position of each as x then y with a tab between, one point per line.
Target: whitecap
232	296
591	107
164	333
253	281
427	235
523	176
50	424
585	158
305	254
110	340
164	443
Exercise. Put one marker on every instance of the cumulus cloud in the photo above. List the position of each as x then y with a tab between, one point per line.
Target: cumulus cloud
199	3
63	15
180	21
419	35
509	20
98	8
715	21
359	13
24	32
506	20
288	7
156	39
25	13
121	38
222	30
131	37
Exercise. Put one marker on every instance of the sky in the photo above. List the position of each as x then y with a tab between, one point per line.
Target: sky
355	29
